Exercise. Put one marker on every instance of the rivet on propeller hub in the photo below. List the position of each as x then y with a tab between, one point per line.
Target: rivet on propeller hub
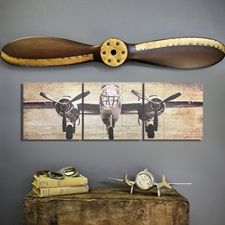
113	52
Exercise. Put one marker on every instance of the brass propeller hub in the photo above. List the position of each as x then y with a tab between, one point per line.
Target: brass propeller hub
113	52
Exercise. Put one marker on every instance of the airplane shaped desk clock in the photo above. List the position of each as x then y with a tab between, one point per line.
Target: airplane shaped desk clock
180	52
110	107
144	180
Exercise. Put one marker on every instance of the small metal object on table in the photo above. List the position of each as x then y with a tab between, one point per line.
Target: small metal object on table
108	207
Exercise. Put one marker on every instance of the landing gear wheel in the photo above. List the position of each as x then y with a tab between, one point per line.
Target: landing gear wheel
110	133
64	124
151	131
69	132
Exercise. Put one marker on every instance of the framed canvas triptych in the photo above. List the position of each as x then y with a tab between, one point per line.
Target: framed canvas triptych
112	111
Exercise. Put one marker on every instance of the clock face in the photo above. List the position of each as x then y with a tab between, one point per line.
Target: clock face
144	180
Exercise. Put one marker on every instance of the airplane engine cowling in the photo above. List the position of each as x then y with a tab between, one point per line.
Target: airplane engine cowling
67	109
157	103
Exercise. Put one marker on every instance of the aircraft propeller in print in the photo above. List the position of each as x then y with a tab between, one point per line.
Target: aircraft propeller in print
66	108
151	110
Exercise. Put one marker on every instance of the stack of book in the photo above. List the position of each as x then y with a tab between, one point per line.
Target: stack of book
45	186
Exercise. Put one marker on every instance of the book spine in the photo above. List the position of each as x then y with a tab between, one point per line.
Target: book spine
46	192
53	183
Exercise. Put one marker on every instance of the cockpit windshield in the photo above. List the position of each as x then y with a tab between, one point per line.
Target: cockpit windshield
110	97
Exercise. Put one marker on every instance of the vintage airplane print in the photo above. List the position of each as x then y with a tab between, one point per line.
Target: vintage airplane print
114	116
112	111
51	111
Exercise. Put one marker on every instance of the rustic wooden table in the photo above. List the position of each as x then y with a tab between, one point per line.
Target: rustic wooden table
107	207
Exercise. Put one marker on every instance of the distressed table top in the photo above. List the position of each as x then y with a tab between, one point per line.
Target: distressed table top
116	193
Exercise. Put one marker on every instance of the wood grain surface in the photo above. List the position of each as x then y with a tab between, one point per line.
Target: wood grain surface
107	206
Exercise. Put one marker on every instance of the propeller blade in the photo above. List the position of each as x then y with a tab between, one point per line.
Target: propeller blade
155	120
182	53
47	51
116	179
171	97
44	95
180	183
139	95
128	182
136	94
82	95
157	107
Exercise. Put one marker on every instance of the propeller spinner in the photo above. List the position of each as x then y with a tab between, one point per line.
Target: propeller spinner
183	52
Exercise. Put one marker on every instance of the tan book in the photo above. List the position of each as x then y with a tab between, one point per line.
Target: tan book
46	192
43	181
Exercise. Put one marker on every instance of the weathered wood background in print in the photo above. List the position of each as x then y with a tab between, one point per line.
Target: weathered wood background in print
179	123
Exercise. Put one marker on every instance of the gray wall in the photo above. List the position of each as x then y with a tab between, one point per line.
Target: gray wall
200	162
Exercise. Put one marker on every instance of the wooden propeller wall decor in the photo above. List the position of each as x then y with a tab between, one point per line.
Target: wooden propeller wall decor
182	52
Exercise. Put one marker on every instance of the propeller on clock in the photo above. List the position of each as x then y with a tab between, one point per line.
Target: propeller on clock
182	52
